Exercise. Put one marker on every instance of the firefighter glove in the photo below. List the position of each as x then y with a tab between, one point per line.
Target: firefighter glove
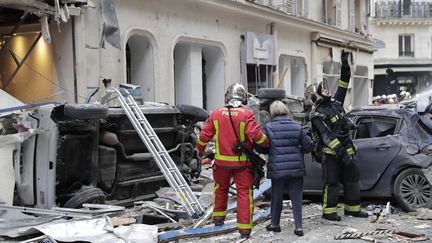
345	69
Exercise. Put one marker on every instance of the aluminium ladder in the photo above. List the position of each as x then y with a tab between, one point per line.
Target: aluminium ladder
160	155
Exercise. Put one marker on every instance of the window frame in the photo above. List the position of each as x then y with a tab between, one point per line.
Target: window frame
402	43
377	117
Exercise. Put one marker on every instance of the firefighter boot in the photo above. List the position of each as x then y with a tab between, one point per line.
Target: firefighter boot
332	217
245	233
358	214
219	221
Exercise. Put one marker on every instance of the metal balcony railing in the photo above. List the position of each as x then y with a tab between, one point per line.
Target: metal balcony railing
419	9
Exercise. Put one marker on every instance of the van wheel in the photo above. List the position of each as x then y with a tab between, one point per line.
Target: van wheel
271	93
85	111
412	190
193	112
91	195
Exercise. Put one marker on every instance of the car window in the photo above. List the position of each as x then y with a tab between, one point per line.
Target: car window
372	127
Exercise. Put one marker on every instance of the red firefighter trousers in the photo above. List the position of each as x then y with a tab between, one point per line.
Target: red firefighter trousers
243	179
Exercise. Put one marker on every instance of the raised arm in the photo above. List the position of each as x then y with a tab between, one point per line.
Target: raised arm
344	78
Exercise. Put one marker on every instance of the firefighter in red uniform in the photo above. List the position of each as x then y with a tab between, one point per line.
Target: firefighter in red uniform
229	164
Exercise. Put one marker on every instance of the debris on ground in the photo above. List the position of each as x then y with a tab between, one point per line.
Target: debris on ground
372	207
424	214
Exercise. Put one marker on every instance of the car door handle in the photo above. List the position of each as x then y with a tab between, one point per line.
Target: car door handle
383	147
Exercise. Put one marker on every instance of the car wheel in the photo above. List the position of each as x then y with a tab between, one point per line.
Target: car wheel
91	195
412	190
198	114
85	111
271	93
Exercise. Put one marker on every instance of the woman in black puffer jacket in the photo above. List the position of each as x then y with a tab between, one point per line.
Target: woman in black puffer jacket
285	167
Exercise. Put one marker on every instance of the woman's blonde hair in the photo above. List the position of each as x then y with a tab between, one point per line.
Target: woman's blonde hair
277	108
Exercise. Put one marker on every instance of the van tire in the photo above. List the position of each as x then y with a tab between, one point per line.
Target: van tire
91	195
196	113
85	111
271	93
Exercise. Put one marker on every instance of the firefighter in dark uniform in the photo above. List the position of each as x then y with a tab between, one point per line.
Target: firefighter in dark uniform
335	150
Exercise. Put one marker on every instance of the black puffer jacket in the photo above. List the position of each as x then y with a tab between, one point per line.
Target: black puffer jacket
288	143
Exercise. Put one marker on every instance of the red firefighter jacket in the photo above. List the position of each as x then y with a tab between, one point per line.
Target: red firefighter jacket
219	125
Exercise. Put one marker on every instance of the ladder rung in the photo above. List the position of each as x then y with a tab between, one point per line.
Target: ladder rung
172	169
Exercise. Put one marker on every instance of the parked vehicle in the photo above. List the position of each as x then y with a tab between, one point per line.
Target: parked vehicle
394	148
394	153
92	154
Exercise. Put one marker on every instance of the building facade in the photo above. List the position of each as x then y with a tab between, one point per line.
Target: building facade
403	33
187	52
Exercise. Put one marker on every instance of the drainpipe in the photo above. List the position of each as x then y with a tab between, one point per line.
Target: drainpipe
74	63
272	30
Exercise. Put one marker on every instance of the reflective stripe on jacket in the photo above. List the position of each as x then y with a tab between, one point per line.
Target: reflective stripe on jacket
219	126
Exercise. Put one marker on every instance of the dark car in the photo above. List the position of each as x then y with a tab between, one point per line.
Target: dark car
86	153
393	153
394	149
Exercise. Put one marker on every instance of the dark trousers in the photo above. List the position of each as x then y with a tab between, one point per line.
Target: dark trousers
295	191
335	172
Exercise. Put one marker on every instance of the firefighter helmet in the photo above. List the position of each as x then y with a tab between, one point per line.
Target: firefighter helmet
235	95
313	92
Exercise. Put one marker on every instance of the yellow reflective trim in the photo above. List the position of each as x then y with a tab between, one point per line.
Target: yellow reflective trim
219	213
329	210
334	119
244	226
325	196
329	151
242	131
201	142
231	157
335	142
262	139
216	125
251	206
350	151
343	84
216	186
353	208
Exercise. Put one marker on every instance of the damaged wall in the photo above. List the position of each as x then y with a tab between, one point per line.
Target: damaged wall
165	23
34	80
